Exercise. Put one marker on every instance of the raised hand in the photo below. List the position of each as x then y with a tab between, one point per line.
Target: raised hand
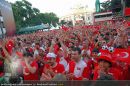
70	76
53	42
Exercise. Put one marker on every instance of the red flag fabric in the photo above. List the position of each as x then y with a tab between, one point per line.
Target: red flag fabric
121	55
127	11
65	28
9	46
105	53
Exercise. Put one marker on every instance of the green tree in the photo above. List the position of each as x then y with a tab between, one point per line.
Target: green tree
62	22
106	6
25	15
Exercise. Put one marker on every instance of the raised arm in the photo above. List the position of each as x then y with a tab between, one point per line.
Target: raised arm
8	57
52	46
63	47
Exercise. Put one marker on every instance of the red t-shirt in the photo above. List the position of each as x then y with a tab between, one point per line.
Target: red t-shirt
56	49
59	68
68	58
29	75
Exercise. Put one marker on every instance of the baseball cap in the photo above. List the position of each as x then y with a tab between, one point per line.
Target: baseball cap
42	48
51	55
105	58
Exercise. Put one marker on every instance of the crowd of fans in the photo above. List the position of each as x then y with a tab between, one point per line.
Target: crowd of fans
69	54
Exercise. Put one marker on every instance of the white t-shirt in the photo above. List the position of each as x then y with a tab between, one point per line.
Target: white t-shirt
79	68
63	62
33	45
36	53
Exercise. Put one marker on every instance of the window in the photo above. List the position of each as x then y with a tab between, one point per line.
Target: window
101	16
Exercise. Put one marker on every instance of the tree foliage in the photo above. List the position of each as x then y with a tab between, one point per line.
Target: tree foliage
25	15
106	6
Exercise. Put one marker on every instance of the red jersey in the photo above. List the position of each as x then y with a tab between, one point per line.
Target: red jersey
27	74
59	68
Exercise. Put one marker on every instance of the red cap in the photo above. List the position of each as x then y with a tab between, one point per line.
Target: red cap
105	58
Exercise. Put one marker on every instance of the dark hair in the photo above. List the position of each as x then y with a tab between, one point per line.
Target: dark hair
96	40
27	53
18	39
57	39
76	49
108	33
19	44
37	43
106	61
95	50
59	44
24	40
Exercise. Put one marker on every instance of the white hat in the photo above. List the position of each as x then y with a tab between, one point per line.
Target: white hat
42	48
51	55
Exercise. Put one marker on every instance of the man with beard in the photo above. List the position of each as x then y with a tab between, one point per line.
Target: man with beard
52	68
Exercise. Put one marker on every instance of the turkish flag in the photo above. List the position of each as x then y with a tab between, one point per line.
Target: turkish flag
121	55
105	53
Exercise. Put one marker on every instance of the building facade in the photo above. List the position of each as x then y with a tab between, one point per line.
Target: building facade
80	15
7	23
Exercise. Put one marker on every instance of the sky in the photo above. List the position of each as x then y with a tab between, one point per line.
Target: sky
59	7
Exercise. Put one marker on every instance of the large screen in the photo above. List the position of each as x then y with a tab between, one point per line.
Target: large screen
8	18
